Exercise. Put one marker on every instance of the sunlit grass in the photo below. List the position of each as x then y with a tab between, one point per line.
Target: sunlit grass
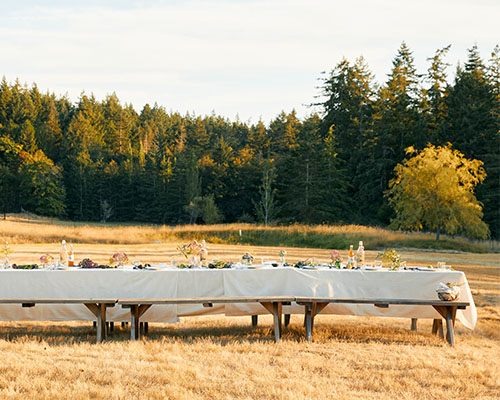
22	229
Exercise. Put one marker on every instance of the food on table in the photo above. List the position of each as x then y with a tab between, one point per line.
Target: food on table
27	266
87	263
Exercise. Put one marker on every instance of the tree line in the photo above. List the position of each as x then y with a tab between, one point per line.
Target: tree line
104	161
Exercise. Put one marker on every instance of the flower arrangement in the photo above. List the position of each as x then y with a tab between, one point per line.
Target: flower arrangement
117	259
336	258
282	255
193	251
5	252
392	257
46	259
203	251
247	258
188	249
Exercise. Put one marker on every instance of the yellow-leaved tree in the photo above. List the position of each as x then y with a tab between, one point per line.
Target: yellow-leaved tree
434	189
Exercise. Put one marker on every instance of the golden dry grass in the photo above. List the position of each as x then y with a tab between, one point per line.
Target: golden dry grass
22	229
218	357
26	228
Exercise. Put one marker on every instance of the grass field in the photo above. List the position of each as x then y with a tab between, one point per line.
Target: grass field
24	228
217	357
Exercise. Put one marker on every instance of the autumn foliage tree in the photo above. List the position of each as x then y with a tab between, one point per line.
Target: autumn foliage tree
434	189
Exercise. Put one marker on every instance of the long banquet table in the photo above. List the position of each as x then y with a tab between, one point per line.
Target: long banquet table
196	283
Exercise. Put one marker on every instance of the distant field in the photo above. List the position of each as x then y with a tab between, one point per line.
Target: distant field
218	357
27	229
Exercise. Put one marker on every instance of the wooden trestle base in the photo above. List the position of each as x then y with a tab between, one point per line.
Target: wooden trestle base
273	304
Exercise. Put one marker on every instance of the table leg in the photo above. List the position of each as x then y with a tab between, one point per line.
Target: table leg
448	313
255	320
99	335
275	308
414	324
134	321
103	323
308	321
450	336
287	320
277	321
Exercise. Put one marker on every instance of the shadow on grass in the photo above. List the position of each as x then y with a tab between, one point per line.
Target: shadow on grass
324	333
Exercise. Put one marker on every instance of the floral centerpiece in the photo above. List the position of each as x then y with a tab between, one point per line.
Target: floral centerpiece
193	251
5	253
118	259
247	258
46	259
203	252
336	258
282	255
391	257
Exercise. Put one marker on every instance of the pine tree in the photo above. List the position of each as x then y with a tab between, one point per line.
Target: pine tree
473	127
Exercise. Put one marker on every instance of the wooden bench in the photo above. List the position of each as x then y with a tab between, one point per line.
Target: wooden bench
273	304
96	306
447	309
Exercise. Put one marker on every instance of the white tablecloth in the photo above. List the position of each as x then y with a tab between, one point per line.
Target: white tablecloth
171	283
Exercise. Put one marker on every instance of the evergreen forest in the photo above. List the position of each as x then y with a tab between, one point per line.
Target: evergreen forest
104	161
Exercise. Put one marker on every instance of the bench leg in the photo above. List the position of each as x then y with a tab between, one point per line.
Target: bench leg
437	327
255	320
413	324
287	320
143	328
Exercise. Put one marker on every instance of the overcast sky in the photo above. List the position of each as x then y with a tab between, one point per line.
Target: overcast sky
251	58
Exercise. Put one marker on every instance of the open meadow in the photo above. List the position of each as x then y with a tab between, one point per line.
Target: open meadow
217	357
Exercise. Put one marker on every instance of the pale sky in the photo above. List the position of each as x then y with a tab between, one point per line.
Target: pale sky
251	58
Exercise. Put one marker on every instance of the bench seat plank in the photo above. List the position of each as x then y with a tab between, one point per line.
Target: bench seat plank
209	300
58	301
412	302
